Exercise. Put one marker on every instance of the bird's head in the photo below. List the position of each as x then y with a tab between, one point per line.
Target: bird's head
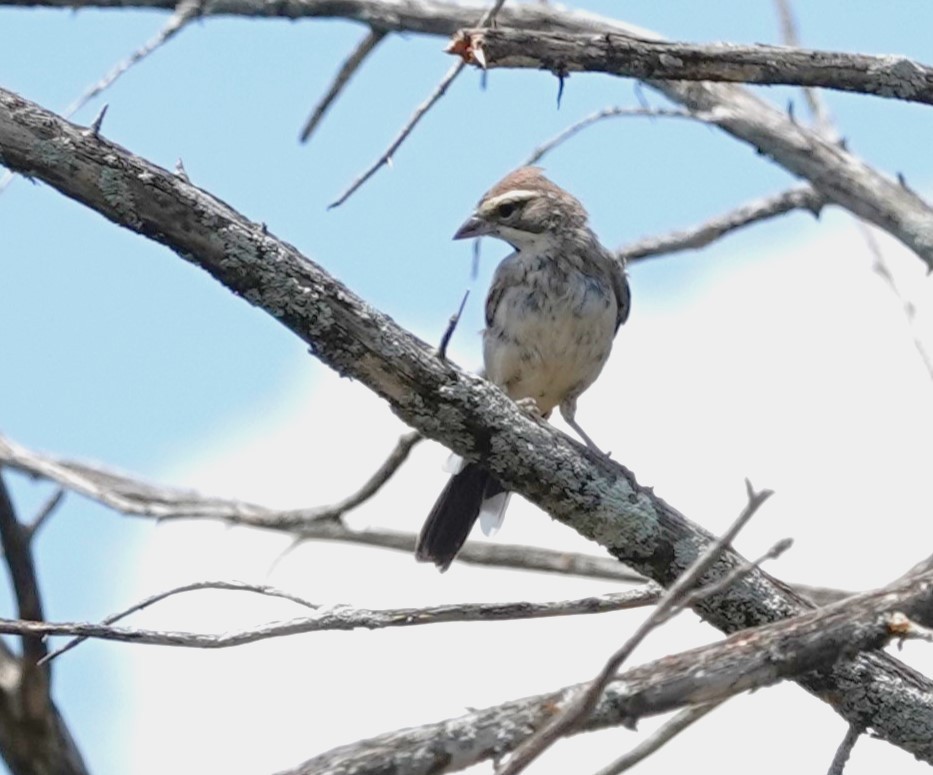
526	210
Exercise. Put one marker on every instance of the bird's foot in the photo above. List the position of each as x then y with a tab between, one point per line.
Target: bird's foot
530	407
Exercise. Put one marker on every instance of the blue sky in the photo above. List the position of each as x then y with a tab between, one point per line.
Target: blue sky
117	351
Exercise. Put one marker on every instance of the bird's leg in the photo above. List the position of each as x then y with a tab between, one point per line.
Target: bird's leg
568	410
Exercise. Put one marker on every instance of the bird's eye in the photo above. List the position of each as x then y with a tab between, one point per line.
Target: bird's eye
506	209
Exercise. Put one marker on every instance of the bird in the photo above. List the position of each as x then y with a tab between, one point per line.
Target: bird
552	313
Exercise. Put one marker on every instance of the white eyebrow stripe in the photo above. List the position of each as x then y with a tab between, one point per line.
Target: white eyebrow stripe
515	195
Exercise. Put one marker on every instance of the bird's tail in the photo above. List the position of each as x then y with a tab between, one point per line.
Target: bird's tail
456	510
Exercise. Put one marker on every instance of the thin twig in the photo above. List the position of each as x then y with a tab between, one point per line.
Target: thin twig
600	115
735	574
237	586
883	270
790	37
400	138
658	738
419	113
844	751
45	511
392	463
342	617
347	69
800	198
185	11
581	705
826	126
451	327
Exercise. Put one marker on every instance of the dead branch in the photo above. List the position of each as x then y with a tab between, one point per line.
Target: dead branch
420	112
461	410
894	77
599	116
341	617
583	703
838	764
365	47
802	198
33	735
744	661
238	586
658	739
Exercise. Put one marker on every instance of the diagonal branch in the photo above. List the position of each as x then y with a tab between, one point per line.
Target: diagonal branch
658	739
583	703
365	47
463	411
801	198
601	115
421	111
745	661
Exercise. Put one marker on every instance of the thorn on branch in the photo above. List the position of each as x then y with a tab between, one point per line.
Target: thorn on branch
45	511
902	181
94	129
562	76
180	171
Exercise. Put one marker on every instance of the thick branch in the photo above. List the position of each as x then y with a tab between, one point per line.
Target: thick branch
595	496
745	661
896	77
33	737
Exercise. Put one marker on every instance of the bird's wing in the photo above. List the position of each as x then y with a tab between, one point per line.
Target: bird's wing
508	274
622	291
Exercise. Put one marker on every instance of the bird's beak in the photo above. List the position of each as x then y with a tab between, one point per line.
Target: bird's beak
474	226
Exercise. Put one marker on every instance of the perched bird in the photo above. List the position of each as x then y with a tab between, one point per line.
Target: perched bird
553	309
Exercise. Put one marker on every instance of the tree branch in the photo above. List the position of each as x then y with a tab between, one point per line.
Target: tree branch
363	49
33	736
895	77
339	617
802	198
475	419
135	497
582	703
745	661
658	739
